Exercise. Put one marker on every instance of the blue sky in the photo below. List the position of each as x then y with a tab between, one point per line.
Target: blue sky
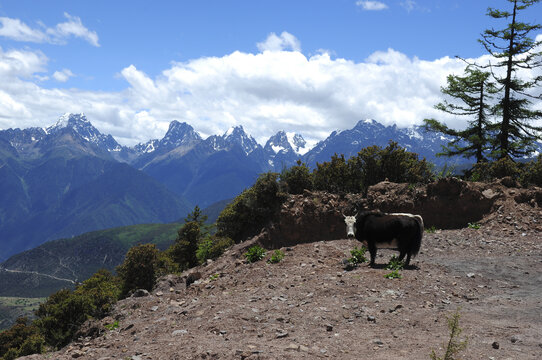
306	66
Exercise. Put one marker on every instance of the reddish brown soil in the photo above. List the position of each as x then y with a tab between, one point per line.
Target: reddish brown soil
308	307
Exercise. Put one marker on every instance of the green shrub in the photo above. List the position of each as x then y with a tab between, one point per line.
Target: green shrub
393	275
255	253
393	163
454	345
474	225
336	176
276	257
252	209
20	340
104	289
61	315
211	247
532	173
431	229
358	255
139	269
296	179
112	326
395	265
487	171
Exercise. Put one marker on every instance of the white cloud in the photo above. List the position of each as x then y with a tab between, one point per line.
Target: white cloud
372	5
63	75
73	27
409	5
16	30
285	41
265	92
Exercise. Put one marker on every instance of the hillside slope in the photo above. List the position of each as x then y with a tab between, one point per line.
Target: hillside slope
60	263
309	307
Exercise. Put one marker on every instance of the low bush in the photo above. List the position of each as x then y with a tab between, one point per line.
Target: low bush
252	209
255	253
139	269
276	257
358	255
211	247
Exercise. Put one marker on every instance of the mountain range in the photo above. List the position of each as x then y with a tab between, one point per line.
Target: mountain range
69	178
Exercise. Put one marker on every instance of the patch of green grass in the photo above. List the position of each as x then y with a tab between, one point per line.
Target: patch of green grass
474	225
358	255
431	230
395	265
276	257
214	277
255	253
112	326
393	275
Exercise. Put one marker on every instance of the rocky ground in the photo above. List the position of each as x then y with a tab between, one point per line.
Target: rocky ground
309	307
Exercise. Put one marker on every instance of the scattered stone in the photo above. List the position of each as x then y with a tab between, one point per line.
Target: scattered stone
515	339
329	327
495	345
159	293
179	332
292	347
281	334
371	318
471	275
378	342
140	293
154	308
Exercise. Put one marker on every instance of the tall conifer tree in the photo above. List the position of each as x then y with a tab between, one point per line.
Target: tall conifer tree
473	93
514	50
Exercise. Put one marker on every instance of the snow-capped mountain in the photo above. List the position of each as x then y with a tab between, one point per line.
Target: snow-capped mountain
283	149
179	134
82	126
236	136
370	132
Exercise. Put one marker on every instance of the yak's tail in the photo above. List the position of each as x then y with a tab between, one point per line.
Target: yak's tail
416	245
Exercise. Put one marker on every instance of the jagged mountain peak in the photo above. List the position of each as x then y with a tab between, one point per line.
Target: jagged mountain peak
285	142
179	134
236	135
79	124
69	120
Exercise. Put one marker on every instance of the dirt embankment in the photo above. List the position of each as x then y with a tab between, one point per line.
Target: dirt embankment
308	307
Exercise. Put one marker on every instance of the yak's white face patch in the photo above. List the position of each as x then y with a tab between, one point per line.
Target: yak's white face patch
350	222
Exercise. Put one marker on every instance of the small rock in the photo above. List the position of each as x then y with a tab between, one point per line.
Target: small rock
154	308
329	327
378	342
159	293
282	334
77	354
292	347
303	348
371	318
179	332
495	345
515	339
140	293
470	275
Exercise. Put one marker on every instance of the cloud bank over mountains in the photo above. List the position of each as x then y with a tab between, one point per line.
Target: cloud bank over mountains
277	88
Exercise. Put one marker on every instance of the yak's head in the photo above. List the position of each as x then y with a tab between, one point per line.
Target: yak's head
350	222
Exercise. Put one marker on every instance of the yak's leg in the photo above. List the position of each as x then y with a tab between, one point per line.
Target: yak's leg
407	261
372	250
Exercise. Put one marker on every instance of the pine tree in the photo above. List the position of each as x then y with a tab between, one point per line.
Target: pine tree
514	50
474	92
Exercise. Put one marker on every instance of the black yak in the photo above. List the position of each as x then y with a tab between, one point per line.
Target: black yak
399	231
